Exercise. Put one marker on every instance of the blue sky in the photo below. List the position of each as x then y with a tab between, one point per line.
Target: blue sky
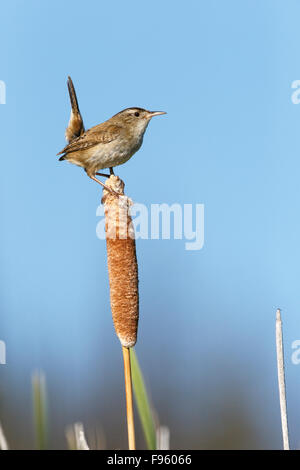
223	72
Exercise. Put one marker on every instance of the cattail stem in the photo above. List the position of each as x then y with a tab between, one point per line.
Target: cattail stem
129	401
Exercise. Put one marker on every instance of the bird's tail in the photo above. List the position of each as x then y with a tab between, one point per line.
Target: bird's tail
75	127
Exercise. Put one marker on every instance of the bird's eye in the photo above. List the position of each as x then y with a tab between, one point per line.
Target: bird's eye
137	114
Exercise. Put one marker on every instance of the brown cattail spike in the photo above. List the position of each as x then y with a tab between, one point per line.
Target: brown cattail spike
122	263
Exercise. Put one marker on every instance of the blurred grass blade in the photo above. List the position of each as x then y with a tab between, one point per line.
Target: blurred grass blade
281	381
76	437
142	401
70	436
162	438
3	441
39	409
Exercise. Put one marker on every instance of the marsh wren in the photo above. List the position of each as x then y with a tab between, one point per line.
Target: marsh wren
106	145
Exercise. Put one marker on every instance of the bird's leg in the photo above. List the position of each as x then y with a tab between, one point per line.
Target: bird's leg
102	184
111	171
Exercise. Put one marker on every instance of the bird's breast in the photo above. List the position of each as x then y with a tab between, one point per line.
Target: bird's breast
114	153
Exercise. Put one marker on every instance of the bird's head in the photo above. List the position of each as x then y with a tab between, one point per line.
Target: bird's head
137	119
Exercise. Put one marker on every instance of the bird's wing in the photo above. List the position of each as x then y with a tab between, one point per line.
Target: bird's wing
95	135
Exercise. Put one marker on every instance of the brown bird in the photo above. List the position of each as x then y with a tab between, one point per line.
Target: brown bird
106	145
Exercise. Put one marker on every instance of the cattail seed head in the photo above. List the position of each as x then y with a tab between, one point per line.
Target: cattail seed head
122	262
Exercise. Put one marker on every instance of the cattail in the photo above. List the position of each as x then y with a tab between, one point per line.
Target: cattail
123	281
122	262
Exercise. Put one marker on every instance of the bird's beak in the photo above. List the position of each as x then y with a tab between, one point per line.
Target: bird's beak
156	113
